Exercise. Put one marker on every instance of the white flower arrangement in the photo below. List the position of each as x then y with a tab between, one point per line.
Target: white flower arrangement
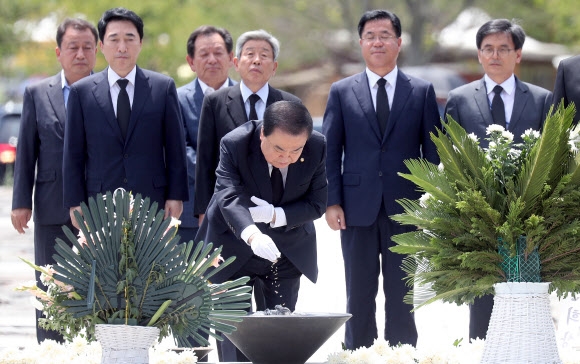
79	350
458	353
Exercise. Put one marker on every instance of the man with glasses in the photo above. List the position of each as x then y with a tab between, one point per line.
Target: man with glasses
378	118
498	98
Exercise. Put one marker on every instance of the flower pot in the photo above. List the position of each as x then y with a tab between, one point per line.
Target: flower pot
125	344
521	329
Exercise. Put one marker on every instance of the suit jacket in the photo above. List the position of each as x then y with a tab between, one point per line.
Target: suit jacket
190	100
150	160
567	86
222	112
38	163
243	173
368	175
469	106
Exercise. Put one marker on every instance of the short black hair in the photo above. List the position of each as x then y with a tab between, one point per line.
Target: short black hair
380	14
502	26
289	116
76	23
116	14
209	30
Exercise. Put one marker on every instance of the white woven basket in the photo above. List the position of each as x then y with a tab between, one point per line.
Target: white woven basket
123	344
521	329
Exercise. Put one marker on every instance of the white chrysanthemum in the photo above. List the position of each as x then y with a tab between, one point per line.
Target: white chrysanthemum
494	128
573	147
473	137
531	133
515	153
340	357
381	346
507	135
574	134
440	167
492	145
365	355
423	202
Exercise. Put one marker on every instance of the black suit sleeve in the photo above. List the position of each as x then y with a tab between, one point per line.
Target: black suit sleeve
207	157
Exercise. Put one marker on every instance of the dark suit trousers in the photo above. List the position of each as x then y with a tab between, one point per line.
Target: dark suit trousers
280	283
44	249
479	316
361	249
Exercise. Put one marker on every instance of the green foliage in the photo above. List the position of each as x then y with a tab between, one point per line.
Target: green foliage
142	273
477	198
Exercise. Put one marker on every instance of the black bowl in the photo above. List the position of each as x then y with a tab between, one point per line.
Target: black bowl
289	339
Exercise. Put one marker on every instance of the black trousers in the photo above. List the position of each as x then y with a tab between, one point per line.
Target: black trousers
44	249
479	316
361	249
279	283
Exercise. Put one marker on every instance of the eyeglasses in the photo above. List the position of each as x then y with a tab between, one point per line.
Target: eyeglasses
370	38
501	52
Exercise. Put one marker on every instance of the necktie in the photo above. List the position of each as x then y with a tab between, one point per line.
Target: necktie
277	186
123	107
253	114
497	107
383	109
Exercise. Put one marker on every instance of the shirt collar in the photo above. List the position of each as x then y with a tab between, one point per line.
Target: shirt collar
391	77
246	92
508	85
204	85
113	76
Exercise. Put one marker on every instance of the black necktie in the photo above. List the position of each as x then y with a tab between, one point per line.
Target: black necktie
497	107
253	114
383	109
123	107
277	186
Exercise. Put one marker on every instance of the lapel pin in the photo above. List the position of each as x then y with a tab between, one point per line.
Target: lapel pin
301	159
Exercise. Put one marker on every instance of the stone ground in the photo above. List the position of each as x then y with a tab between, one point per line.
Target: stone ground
439	324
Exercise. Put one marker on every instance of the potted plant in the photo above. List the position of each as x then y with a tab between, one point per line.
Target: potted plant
129	269
508	213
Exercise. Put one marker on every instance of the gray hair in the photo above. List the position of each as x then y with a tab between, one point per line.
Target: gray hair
258	35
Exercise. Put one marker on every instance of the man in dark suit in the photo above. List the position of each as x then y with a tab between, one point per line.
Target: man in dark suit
222	111
567	86
523	106
124	127
271	186
38	164
210	55
378	119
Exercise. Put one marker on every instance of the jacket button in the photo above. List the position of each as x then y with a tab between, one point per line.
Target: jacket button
380	174
125	180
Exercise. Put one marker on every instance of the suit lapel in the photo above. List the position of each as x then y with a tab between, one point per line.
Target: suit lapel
402	91
235	107
482	102
521	98
197	98
102	94
141	97
56	98
363	94
259	167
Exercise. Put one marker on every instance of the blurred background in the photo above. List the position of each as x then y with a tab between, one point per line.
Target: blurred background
319	42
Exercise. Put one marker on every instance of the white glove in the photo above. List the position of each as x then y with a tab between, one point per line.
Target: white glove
263	246
263	212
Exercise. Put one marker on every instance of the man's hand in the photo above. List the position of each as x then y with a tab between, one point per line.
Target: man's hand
20	218
263	212
263	246
72	216
173	208
200	219
335	217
